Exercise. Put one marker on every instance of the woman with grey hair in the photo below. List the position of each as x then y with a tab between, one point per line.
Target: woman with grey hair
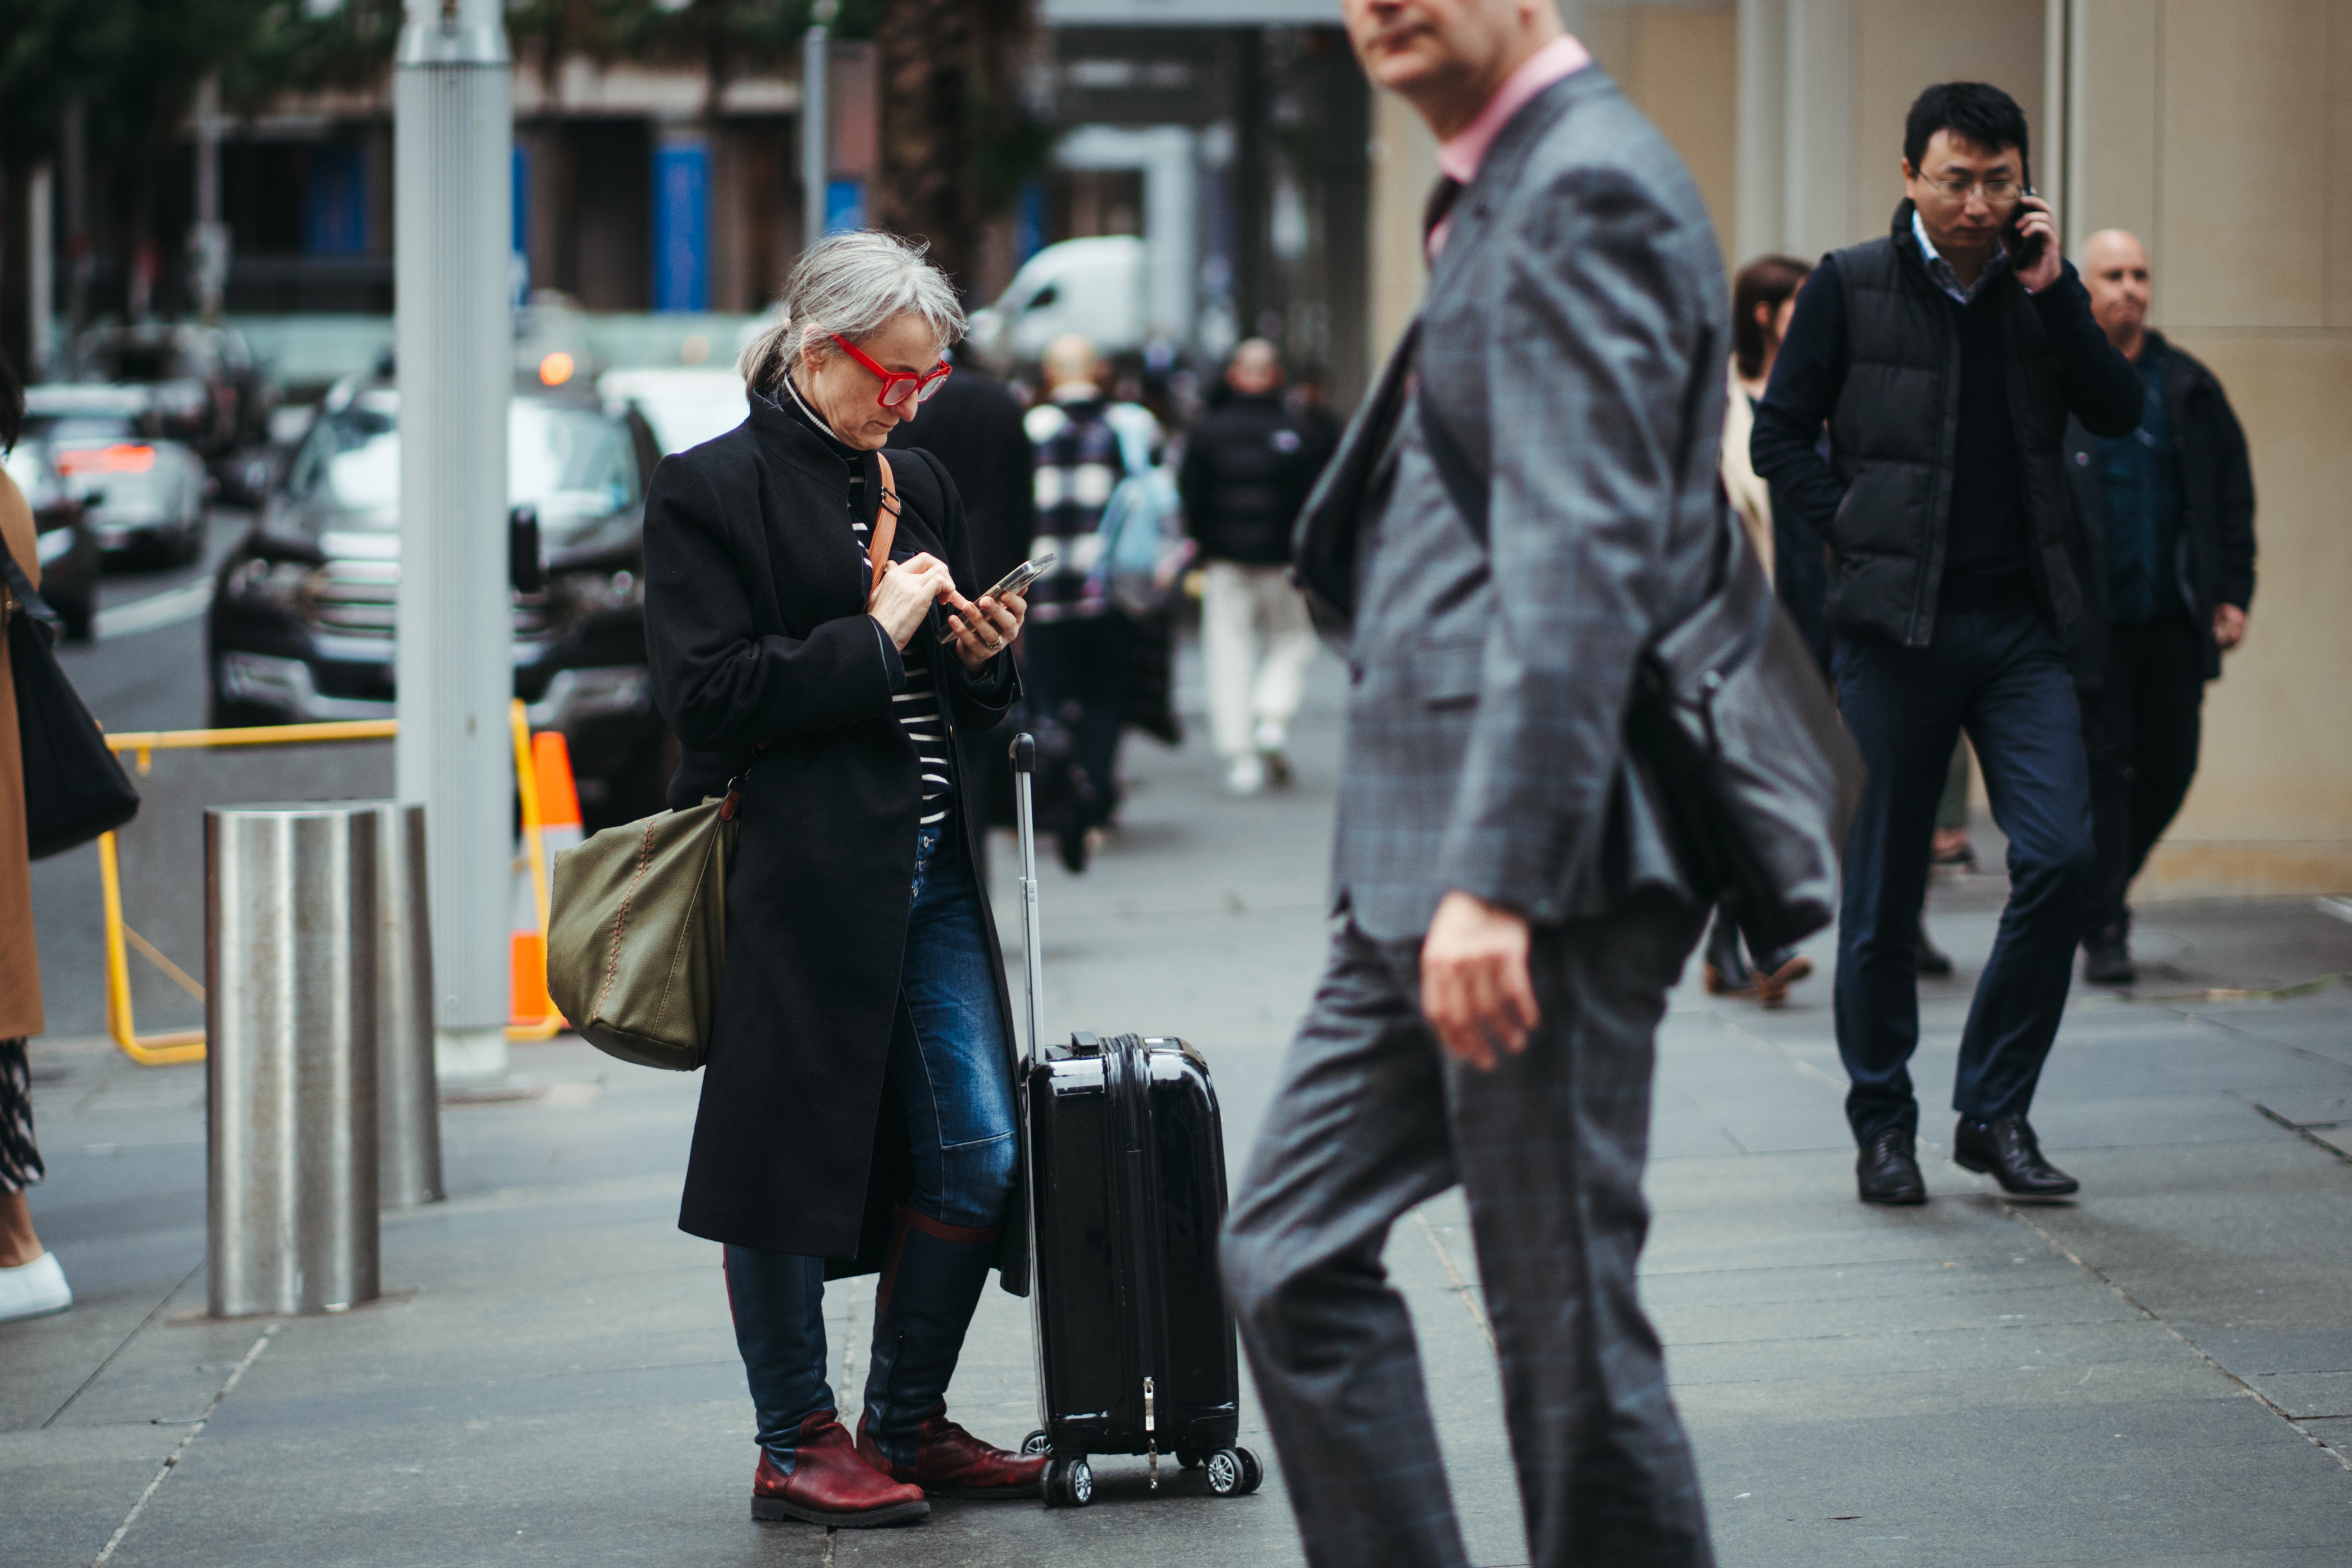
815	647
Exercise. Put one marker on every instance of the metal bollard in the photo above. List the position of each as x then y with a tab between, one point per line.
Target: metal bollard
408	1095
291	926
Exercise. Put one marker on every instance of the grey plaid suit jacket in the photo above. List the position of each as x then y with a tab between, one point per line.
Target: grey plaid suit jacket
1528	498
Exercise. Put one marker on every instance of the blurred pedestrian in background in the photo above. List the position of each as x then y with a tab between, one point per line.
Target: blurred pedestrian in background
2168	530
809	618
1762	297
1247	470
1945	357
32	1283
1528	498
1079	645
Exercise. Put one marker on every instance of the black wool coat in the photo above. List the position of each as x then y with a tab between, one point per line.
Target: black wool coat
757	634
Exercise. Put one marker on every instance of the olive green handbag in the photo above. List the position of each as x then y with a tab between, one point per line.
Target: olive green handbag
636	934
637	927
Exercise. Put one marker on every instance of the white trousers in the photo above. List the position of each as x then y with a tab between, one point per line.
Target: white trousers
1257	643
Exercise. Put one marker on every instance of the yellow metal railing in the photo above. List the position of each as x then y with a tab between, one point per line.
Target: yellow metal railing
171	1048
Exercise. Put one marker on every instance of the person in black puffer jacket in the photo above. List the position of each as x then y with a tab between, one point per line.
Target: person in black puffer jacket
1945	359
1246	471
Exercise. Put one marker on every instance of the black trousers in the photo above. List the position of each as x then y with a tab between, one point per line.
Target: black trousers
2141	729
1078	671
2002	677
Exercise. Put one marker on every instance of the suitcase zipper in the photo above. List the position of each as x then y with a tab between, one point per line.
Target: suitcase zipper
1136	1078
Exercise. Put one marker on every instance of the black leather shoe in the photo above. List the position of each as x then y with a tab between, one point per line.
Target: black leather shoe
2107	958
1887	1172
2007	1151
1930	959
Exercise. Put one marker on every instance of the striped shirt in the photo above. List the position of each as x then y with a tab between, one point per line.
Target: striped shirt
917	706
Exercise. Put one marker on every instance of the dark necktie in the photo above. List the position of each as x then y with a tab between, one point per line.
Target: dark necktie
1433	214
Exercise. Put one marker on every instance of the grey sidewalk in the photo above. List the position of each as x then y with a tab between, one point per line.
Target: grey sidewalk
2158	1375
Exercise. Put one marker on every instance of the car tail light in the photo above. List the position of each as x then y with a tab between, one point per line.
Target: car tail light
122	457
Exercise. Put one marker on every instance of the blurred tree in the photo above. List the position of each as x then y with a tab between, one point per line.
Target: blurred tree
957	139
135	66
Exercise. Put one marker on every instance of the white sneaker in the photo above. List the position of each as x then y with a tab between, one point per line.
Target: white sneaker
34	1289
1246	775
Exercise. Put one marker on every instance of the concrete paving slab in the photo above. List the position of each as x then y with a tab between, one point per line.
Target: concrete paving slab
1964	1383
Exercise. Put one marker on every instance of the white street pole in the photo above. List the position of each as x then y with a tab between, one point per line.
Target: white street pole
454	335
816	161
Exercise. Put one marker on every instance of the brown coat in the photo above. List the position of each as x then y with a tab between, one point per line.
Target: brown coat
20	958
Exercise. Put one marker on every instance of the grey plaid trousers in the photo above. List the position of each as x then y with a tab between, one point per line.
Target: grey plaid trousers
1372	1118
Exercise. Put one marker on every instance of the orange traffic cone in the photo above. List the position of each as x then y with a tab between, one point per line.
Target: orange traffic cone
559	798
551	823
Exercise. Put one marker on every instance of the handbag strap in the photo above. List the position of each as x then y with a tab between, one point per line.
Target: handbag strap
22	586
886	526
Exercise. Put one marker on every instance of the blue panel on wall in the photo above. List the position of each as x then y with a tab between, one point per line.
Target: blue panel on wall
520	167
519	261
844	206
335	204
682	224
1029	222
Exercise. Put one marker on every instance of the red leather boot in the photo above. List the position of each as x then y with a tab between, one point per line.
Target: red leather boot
832	1484
950	1462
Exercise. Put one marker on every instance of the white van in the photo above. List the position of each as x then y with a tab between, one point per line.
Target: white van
1091	287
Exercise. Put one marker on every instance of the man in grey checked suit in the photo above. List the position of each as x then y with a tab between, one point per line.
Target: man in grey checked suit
1527	499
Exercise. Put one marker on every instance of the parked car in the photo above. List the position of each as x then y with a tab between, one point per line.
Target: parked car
302	622
141	492
685	407
1091	287
68	552
203	384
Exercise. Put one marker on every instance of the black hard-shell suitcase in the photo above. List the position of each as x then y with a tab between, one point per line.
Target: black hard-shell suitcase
1136	1352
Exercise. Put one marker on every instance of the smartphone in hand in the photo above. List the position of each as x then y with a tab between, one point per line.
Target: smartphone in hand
1013	581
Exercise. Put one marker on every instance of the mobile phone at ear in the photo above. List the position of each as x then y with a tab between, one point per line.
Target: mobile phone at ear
2024	250
1014	582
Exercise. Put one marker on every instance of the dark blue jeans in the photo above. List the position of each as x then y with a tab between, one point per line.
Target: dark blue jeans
2002	677
948	1069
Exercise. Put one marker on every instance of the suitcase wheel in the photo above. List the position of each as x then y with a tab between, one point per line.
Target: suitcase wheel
1036	1443
1069	1483
1189	1458
1235	1472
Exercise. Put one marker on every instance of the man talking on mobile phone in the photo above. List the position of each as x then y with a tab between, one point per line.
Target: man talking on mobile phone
1525	501
1945	358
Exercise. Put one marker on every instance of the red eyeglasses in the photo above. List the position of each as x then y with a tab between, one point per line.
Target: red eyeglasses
899	385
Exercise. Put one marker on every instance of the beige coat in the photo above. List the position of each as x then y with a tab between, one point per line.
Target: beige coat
1751	497
20	958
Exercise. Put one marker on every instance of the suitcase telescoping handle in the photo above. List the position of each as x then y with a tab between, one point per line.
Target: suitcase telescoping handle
1024	805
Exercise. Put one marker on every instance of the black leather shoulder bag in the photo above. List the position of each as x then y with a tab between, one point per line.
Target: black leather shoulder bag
1741	740
75	788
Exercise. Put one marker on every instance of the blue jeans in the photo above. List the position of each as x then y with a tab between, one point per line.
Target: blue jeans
948	1069
2003	677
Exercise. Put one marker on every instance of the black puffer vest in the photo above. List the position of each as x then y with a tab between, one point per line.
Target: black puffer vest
1892	436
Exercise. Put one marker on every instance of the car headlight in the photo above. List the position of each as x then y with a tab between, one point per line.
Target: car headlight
275	584
601	592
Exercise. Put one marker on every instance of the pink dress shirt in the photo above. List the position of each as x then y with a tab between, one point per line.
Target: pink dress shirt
1460	154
